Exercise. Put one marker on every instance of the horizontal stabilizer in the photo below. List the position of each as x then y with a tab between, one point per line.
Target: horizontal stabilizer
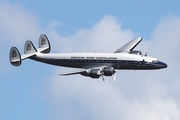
128	47
27	55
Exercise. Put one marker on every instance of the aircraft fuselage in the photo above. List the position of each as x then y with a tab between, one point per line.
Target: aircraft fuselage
93	65
88	60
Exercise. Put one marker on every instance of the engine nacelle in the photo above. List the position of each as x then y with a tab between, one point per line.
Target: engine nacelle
108	71
136	52
95	73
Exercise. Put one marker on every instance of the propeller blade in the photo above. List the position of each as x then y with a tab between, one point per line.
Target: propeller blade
145	54
140	52
115	77
103	78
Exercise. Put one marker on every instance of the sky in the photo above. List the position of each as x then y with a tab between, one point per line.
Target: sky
35	90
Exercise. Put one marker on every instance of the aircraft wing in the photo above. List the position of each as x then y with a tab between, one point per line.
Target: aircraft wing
128	47
85	70
73	73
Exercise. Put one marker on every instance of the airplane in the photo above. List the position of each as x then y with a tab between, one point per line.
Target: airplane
92	65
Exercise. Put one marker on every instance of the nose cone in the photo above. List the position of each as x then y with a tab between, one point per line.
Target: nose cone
161	64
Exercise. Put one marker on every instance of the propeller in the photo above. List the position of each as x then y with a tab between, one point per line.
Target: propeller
142	53
143	62
114	76
101	73
145	54
103	78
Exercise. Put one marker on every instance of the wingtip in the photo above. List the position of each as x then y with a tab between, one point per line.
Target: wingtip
141	38
130	45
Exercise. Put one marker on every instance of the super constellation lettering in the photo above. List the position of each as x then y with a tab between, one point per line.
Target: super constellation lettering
106	58
90	58
94	58
76	57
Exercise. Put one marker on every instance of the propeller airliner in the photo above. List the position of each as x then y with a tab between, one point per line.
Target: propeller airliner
92	65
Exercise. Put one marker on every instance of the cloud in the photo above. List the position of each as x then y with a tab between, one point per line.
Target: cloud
99	38
17	25
136	95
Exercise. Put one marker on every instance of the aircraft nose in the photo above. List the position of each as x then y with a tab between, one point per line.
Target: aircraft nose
161	64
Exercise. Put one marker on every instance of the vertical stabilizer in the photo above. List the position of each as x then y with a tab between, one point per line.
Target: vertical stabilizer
14	56
29	47
44	44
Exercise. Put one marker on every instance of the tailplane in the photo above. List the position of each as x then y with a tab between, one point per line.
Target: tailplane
29	50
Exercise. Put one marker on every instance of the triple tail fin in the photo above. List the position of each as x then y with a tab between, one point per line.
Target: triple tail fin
29	50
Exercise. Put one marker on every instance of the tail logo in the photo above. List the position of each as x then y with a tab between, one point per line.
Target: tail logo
14	54
28	47
43	42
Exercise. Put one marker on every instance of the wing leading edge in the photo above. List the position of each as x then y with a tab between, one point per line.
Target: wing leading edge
73	73
128	47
